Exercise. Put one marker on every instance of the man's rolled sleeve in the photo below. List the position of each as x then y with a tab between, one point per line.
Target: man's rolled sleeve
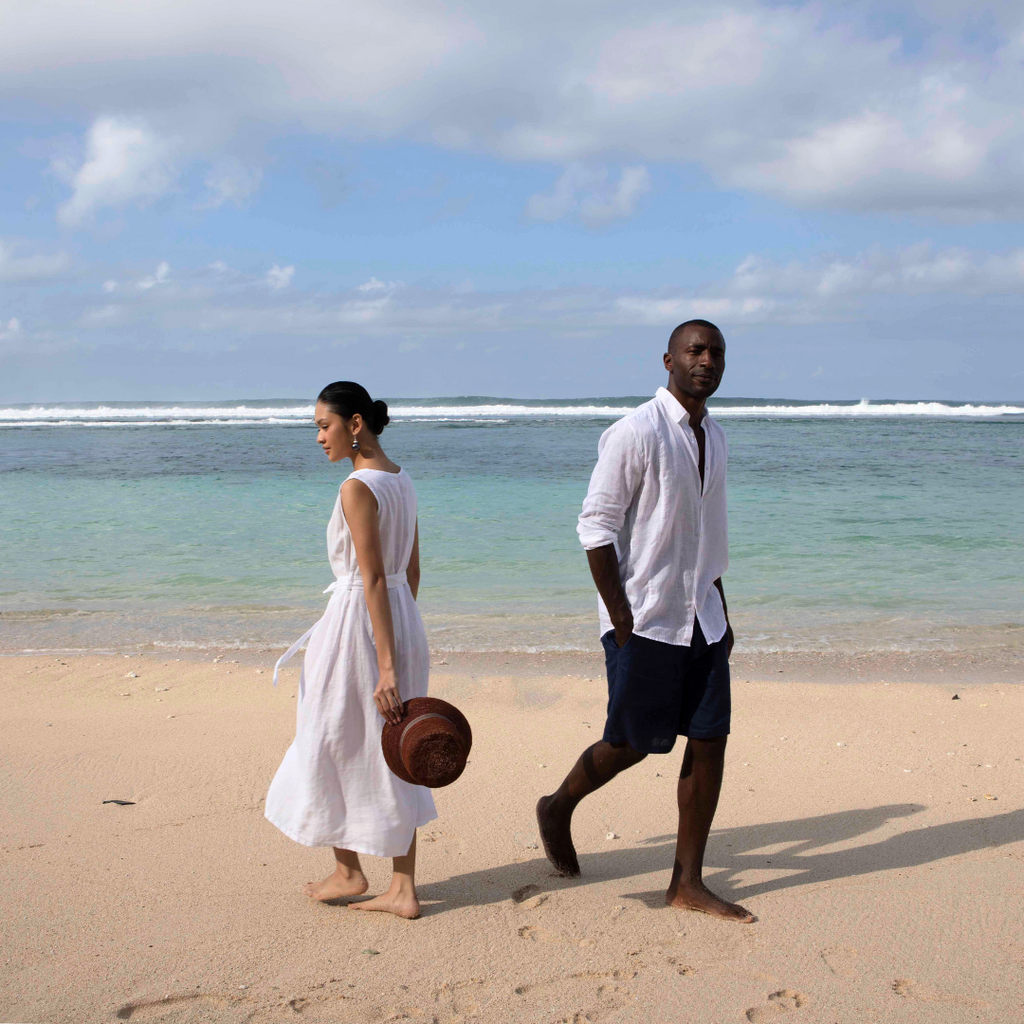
613	485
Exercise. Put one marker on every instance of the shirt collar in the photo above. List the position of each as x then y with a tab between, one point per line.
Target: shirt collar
672	406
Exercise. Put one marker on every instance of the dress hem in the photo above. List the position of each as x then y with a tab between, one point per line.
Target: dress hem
356	846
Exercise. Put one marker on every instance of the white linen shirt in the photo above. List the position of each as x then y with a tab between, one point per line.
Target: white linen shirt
671	538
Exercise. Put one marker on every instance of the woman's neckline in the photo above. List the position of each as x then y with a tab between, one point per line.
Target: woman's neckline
386	472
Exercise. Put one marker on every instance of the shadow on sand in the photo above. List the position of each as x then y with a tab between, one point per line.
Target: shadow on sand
806	856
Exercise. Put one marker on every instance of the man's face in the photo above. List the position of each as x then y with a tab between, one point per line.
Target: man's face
697	361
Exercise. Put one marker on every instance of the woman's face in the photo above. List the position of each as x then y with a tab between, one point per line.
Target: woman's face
334	435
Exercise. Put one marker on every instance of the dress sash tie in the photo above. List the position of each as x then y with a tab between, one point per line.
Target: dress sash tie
339	586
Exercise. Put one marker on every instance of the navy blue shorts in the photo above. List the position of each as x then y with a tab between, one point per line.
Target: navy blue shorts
657	691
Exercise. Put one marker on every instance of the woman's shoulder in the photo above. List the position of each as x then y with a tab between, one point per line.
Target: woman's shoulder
380	479
376	475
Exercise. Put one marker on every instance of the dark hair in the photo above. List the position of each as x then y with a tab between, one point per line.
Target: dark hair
677	334
347	398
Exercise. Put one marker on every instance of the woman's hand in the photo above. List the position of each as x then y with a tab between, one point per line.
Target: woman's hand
386	697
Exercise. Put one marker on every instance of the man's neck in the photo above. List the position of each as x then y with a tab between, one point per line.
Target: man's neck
695	407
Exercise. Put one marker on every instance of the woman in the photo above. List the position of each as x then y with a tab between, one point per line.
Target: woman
365	657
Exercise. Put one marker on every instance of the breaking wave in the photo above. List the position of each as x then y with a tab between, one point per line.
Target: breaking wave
284	413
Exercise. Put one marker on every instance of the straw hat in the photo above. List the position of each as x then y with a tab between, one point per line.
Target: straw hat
430	745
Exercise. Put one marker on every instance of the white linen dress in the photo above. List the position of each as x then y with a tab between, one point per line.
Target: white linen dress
334	787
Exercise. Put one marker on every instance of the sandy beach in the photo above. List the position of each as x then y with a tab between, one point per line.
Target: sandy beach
874	825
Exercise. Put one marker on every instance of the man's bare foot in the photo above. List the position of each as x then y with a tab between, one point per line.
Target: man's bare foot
401	904
556	835
337	886
697	896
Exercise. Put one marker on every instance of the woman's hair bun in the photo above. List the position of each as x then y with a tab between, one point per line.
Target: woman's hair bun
347	398
380	416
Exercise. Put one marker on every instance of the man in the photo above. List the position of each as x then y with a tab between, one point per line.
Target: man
654	529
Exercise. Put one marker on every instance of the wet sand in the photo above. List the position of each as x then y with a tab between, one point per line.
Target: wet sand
875	828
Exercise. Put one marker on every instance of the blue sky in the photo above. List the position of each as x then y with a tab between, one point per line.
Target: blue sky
232	200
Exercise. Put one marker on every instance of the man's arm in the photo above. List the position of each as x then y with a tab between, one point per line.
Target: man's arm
613	485
604	567
729	638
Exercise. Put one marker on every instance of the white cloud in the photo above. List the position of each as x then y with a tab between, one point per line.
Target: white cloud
29	268
10	331
279	277
814	103
587	193
914	270
231	181
563	198
163	272
668	311
110	286
923	289
126	163
363	311
821	290
373	285
934	138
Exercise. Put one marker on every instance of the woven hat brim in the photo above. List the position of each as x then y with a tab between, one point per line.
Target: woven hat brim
434	754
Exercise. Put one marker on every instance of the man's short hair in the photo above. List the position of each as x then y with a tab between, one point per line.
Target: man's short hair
675	337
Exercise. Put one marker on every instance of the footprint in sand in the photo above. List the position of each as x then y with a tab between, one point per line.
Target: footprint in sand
842	961
524	892
610	994
460	999
186	1008
783	1001
530	895
534	934
910	989
684	969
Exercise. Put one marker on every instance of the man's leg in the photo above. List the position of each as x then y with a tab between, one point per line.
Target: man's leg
700	782
597	765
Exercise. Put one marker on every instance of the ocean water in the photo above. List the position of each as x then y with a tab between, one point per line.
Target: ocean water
854	526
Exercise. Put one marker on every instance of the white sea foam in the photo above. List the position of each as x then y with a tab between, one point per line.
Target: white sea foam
865	408
245	415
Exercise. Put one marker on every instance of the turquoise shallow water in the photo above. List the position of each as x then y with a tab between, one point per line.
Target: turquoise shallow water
889	526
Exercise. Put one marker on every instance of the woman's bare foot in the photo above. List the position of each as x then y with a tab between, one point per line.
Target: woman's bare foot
556	837
337	885
697	896
401	904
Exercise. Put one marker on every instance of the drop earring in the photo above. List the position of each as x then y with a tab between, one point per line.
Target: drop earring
355	446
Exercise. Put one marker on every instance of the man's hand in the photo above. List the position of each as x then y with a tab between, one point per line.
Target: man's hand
729	638
623	630
604	567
